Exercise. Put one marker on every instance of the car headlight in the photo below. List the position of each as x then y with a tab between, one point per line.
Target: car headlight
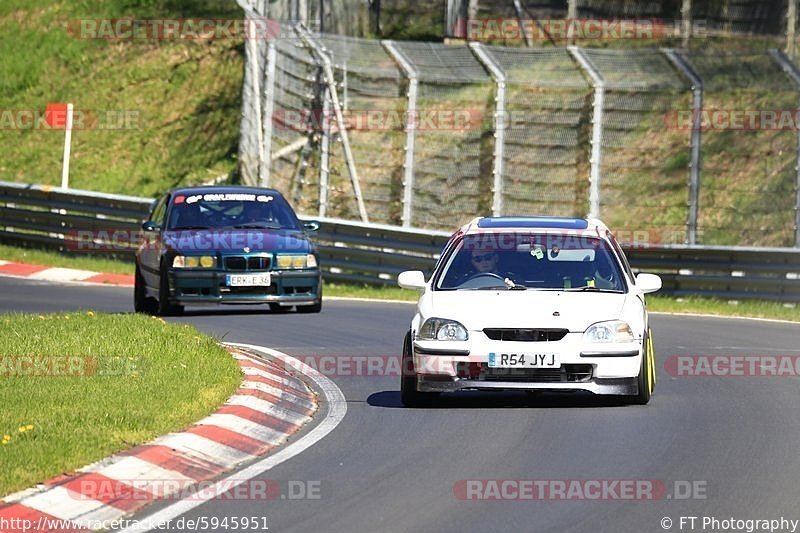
296	261
194	261
442	329
611	331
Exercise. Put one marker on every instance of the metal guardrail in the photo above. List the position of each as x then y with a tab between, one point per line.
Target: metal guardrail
54	218
51	217
725	272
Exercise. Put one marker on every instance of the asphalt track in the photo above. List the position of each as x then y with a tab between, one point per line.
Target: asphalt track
387	468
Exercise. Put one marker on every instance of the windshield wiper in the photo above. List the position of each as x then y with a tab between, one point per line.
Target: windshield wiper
257	225
177	228
591	288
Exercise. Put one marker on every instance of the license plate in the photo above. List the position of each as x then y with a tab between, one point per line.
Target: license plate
524	360
248	280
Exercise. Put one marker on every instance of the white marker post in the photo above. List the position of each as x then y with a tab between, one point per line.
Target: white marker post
67	143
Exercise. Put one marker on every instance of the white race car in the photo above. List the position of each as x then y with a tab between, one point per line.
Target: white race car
530	303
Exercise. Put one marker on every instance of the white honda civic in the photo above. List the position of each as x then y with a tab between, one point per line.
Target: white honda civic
530	303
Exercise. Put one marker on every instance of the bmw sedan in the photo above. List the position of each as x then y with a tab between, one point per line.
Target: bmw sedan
530	303
226	245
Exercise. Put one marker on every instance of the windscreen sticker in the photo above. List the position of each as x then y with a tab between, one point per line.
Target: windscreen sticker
224	197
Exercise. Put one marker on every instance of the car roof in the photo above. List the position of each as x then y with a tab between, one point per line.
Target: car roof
224	189
528	223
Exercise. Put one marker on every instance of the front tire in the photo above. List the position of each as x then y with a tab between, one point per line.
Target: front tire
140	302
409	395
165	307
647	372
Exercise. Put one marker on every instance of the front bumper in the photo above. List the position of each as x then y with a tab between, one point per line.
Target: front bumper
612	386
443	366
287	287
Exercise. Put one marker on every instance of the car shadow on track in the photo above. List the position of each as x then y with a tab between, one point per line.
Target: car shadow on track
501	400
231	310
228	312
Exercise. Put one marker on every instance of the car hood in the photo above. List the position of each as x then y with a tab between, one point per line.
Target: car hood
238	241
523	309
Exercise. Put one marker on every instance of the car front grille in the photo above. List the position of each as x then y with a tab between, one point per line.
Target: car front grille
241	263
525	335
253	291
297	290
563	374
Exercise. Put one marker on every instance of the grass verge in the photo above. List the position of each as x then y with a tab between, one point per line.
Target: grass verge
125	379
717	306
656	303
152	113
352	290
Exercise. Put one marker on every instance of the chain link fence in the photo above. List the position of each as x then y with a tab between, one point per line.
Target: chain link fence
675	20
643	162
370	87
544	161
682	147
360	17
743	16
450	171
294	81
747	195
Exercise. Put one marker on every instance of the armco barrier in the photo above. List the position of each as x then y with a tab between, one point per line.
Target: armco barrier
47	216
33	215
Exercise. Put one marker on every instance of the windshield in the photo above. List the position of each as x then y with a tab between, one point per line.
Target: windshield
518	262
231	210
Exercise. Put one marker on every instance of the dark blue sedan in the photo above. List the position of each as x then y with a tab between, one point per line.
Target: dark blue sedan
229	245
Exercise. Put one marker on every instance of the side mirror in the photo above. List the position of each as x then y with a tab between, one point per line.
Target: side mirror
149	225
311	225
411	279
648	282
